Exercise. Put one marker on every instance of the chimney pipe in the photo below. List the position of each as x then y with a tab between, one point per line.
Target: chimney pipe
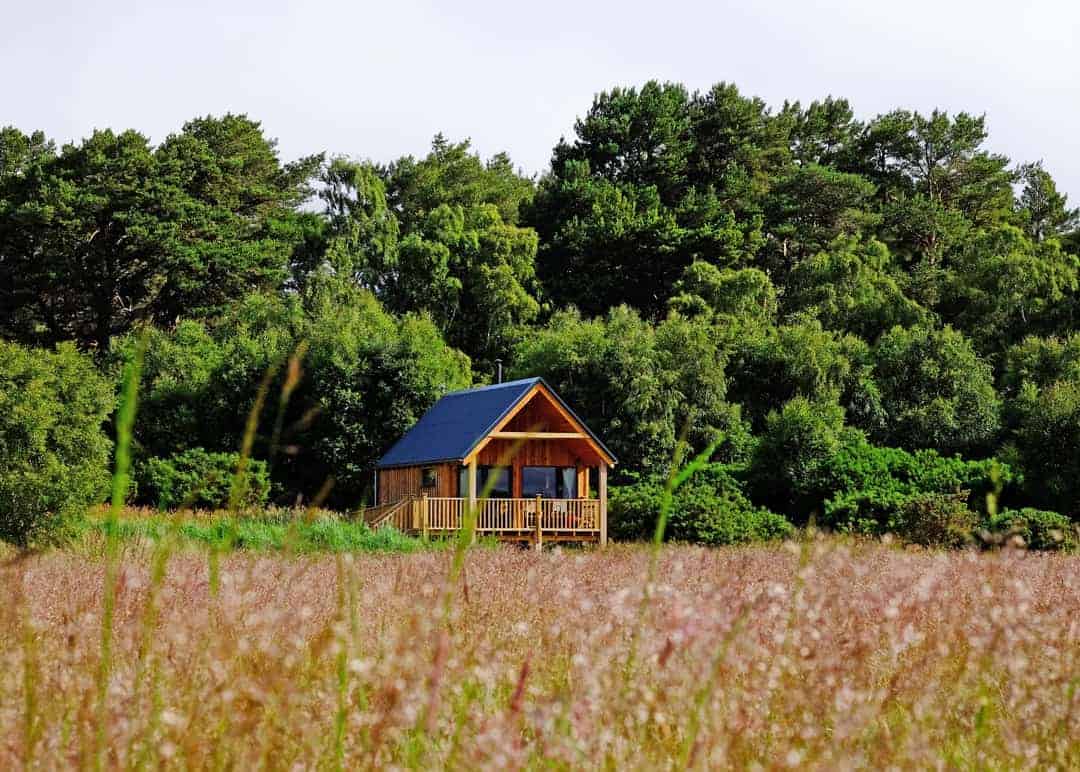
498	371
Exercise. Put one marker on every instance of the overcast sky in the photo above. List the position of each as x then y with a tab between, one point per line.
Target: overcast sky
377	80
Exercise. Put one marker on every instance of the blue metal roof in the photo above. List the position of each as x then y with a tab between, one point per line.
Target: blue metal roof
460	420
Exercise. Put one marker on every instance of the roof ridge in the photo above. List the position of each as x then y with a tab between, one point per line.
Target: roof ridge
489	386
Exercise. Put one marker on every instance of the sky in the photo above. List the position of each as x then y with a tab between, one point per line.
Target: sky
378	80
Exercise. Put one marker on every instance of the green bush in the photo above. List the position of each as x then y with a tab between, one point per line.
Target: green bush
201	480
710	508
633	509
1039	528
871	486
937	520
54	455
791	467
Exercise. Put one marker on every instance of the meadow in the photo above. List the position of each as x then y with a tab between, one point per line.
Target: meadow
821	654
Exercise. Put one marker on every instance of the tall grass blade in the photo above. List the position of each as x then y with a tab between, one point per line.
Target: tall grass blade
125	422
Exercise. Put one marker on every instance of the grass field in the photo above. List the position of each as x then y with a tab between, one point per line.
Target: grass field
824	655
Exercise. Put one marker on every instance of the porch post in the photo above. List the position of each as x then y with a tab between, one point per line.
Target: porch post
602	485
471	475
539	541
472	497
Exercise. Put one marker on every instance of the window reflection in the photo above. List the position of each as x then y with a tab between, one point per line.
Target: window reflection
550	482
500	485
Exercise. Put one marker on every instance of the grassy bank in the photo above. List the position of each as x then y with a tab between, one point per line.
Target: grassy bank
269	530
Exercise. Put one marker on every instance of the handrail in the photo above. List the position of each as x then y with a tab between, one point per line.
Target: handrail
378	516
515	515
492	516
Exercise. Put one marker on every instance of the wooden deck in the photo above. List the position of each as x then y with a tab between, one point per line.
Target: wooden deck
532	520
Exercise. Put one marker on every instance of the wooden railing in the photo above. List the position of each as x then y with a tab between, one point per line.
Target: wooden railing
396	513
500	515
442	514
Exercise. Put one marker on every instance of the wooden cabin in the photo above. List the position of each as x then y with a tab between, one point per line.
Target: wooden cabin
514	453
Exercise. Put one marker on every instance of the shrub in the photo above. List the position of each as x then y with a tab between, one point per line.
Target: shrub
790	469
197	479
710	508
1039	528
937	520
633	509
54	456
870	486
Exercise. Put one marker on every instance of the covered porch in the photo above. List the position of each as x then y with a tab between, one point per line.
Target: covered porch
532	520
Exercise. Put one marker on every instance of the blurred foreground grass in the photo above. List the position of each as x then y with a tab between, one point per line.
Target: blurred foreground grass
826	654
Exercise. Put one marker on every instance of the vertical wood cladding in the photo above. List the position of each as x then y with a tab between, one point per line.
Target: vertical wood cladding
396	484
539	414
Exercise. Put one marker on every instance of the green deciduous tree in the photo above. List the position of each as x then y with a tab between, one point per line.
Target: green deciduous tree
1040	362
1004	286
935	390
852	287
362	230
769	366
1045	439
744	294
54	453
365	378
463	258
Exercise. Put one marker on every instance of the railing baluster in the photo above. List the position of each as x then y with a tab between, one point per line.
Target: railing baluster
499	515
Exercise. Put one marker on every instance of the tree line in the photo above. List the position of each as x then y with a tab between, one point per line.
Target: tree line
866	317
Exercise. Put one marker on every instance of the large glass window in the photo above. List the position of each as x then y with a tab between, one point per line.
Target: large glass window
551	482
567	482
499	476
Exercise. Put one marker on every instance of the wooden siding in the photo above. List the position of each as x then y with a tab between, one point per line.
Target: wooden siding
539	411
396	484
540	414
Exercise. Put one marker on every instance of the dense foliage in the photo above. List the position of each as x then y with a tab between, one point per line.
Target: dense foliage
197	479
710	508
876	316
54	456
332	378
